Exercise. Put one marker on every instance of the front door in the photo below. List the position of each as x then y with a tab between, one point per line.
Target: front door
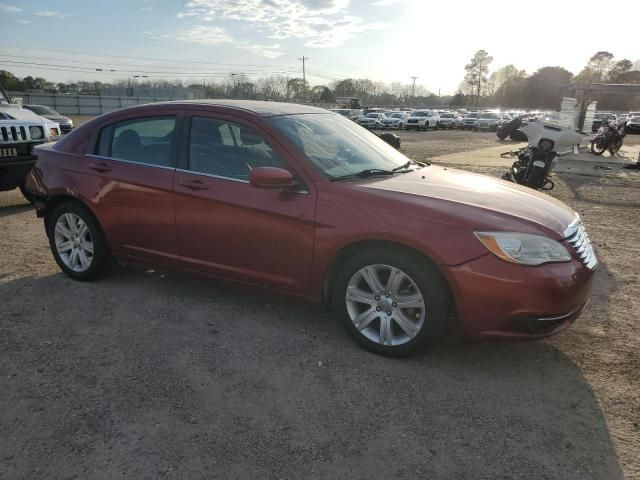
230	229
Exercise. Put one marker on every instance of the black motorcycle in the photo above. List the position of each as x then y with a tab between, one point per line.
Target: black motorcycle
609	137
533	166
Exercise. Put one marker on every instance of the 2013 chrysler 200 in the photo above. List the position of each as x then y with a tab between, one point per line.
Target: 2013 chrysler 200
303	201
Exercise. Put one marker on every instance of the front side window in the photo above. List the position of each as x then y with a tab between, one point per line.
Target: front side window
226	149
145	140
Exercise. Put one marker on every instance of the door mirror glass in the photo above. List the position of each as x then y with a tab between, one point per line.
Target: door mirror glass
271	177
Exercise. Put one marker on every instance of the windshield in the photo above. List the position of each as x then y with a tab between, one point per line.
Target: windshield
419	114
396	115
471	115
446	115
371	115
490	116
336	146
41	109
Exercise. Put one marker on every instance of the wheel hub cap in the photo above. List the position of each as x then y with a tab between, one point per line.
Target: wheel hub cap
73	242
385	305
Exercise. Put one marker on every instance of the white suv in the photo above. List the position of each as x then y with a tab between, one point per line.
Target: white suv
423	119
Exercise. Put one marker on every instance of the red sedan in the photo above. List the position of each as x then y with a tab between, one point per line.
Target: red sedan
303	201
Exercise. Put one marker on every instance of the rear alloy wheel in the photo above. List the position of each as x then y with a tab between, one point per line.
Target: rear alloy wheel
77	242
390	302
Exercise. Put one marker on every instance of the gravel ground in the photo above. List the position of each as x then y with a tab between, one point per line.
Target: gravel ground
150	374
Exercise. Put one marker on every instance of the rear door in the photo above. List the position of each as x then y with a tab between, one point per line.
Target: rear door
134	161
230	229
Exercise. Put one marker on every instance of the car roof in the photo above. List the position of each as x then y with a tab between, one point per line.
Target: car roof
263	109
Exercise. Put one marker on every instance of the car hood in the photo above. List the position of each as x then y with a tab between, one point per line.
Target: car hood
57	118
19	113
503	200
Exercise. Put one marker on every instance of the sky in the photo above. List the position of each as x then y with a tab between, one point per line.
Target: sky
384	40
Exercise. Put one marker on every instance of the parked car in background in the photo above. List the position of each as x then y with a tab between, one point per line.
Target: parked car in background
371	120
600	118
422	119
395	119
469	120
20	131
488	121
448	120
632	124
302	201
66	124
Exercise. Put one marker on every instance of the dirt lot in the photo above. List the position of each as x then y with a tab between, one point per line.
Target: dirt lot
150	374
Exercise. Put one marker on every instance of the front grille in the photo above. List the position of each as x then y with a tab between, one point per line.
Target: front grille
577	237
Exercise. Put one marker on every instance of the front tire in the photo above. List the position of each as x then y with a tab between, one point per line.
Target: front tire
391	302
77	242
597	148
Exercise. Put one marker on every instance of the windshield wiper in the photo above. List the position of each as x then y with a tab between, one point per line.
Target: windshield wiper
369	172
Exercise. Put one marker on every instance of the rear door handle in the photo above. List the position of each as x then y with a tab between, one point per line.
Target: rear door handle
194	184
100	167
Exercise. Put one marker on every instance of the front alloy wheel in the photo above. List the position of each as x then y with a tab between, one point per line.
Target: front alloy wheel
385	305
390	300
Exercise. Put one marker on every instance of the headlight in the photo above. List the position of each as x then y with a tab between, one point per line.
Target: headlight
546	145
524	248
36	133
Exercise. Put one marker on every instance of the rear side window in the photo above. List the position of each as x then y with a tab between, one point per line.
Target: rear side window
145	140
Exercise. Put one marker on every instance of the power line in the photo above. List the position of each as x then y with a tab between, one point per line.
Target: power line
162	60
109	64
114	71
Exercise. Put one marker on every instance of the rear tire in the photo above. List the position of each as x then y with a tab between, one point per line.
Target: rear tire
369	305
77	242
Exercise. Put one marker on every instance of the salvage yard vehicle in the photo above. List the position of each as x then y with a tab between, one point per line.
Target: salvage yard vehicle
536	161
66	124
422	119
448	120
632	125
371	120
395	120
469	121
302	201
20	131
488	121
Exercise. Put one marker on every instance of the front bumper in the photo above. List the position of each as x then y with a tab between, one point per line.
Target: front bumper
496	299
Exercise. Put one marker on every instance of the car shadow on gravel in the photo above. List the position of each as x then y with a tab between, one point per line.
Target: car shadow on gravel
149	374
8	210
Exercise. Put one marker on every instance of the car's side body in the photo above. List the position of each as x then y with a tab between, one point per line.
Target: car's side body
294	241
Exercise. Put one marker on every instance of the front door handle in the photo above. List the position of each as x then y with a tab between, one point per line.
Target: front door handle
194	184
100	167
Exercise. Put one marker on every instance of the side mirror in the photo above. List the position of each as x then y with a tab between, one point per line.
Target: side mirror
271	177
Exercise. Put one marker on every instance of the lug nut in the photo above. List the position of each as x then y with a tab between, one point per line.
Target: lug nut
377	297
387	295
394	304
389	312
378	309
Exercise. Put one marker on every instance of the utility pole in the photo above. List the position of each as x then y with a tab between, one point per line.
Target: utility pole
413	93
304	77
479	79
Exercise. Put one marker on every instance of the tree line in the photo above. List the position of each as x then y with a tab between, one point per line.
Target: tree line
510	87
507	86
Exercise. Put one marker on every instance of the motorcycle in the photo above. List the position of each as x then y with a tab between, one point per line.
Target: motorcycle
609	137
536	161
